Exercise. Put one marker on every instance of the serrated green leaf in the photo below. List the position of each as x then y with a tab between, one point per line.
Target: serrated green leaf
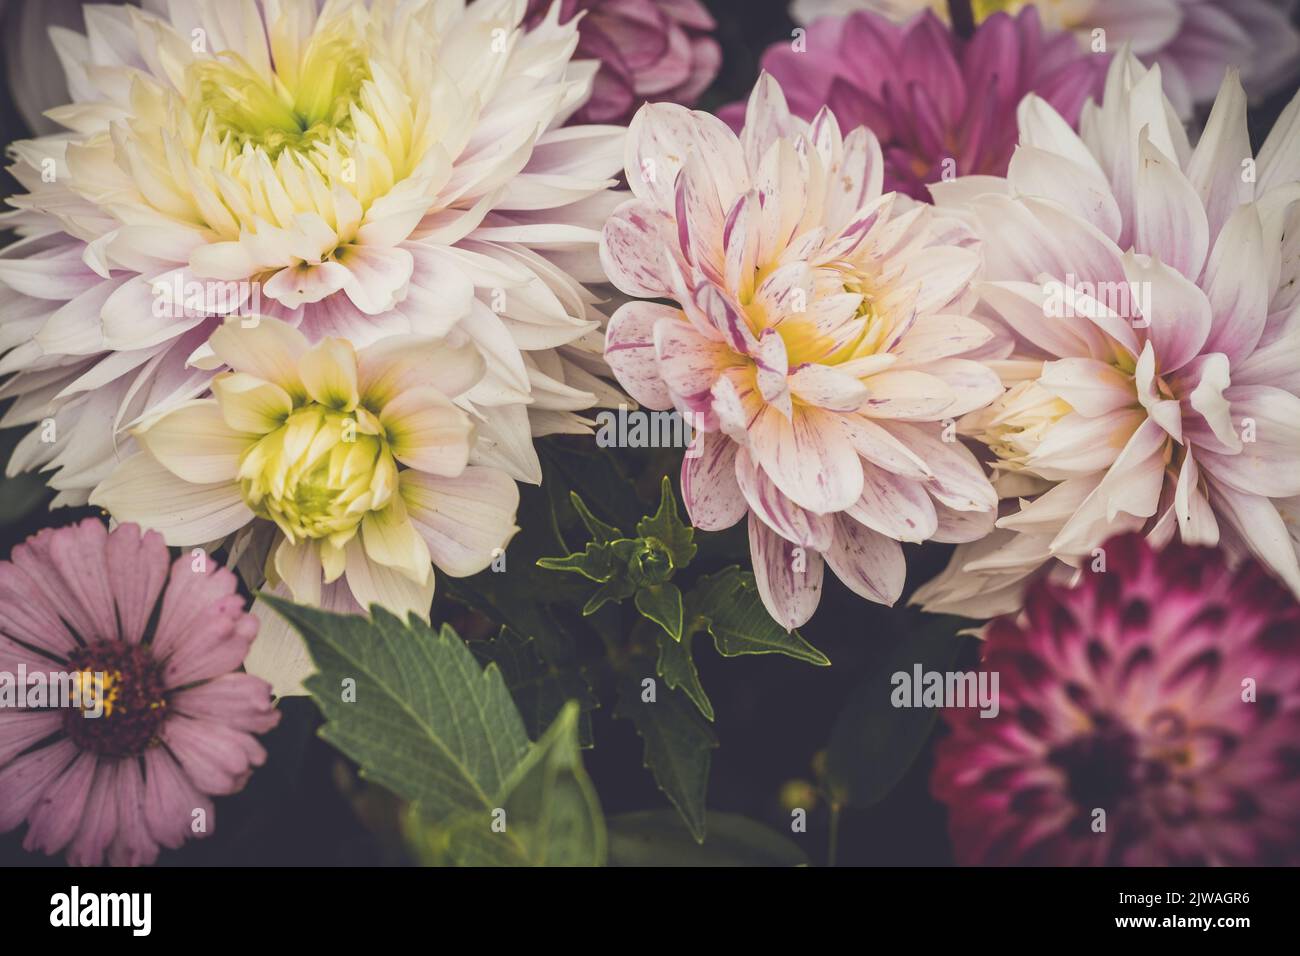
677	667
552	800
678	747
873	743
668	529
539	687
428	722
662	603
550	815
728	606
657	838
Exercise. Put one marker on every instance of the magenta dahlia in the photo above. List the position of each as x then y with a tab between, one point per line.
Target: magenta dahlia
648	51
940	106
1149	715
162	719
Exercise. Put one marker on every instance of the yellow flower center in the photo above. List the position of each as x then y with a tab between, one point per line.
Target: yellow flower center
1014	425
296	108
318	474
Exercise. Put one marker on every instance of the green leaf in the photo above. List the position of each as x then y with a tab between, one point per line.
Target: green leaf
728	606
677	667
678	747
657	838
668	529
873	743
615	589
600	532
428	722
596	563
551	815
662	603
540	688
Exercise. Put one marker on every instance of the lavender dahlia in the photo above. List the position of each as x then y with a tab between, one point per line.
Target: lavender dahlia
941	106
178	718
1164	691
1192	41
648	50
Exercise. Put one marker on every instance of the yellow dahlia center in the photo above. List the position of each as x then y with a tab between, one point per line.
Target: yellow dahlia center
291	108
318	474
1015	425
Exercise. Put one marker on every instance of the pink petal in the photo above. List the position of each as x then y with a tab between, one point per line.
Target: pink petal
870	564
790	596
630	351
713	498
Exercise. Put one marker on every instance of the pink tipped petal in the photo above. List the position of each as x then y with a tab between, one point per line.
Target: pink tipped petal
789	577
713	498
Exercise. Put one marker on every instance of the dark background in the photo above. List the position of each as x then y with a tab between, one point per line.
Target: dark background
305	806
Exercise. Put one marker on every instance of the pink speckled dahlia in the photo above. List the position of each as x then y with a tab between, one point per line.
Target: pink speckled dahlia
178	717
816	340
1147	298
1192	41
655	50
941	106
1164	691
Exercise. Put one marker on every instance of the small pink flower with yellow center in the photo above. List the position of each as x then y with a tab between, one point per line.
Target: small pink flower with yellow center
816	341
350	468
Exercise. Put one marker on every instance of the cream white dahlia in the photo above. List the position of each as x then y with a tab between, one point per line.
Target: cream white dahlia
348	471
355	169
815	341
1147	301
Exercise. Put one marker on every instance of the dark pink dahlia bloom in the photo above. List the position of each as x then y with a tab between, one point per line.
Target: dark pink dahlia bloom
649	51
940	106
1164	691
176	717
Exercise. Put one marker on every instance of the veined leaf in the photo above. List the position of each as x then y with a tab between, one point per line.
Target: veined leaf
677	667
427	721
678	747
728	606
540	688
662	603
549	816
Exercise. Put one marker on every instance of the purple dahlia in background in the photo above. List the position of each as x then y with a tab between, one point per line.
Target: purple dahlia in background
929	96
133	768
649	51
1164	691
1192	41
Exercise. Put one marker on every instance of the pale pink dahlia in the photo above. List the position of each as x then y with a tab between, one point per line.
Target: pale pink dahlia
1148	716
357	170
815	339
1192	41
656	50
941	106
1147	300
176	717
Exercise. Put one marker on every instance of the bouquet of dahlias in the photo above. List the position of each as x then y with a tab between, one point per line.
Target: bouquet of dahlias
410	405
